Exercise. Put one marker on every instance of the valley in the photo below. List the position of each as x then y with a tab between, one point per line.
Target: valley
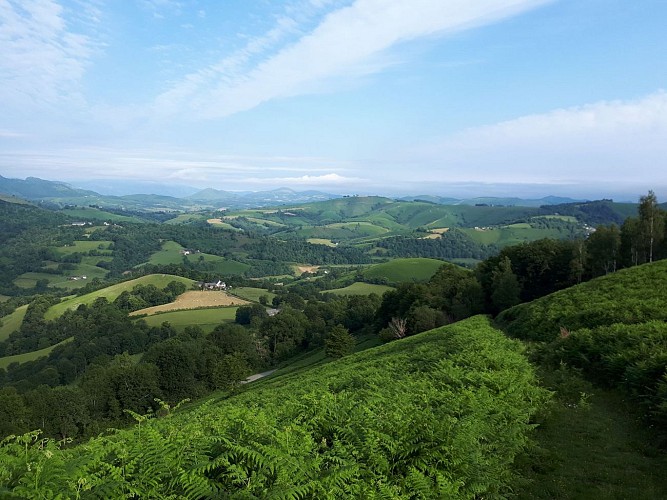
411	347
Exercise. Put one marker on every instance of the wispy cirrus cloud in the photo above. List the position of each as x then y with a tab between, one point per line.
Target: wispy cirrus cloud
350	41
42	60
596	143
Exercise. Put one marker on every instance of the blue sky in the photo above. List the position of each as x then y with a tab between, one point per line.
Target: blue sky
449	97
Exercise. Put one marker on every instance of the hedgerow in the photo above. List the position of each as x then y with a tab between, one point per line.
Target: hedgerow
438	415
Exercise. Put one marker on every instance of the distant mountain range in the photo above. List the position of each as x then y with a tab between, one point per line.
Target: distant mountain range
122	194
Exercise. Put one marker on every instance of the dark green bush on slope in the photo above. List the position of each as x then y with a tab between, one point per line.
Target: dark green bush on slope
438	415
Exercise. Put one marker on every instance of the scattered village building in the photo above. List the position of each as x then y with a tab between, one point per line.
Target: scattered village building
213	285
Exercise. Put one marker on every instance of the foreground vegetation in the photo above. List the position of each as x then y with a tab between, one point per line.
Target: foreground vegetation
443	414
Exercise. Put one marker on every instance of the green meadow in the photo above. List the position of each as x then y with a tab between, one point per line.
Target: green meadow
171	253
252	294
12	322
113	291
360	289
400	270
207	319
29	356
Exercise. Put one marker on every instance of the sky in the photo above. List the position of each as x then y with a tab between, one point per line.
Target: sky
448	97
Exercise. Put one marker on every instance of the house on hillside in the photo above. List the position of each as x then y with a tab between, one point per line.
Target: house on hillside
213	285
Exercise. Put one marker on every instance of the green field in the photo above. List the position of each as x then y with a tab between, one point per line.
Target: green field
223	225
400	270
12	322
85	247
29	280
511	235
4	298
185	218
95	214
252	294
206	319
321	241
29	356
360	289
113	291
171	253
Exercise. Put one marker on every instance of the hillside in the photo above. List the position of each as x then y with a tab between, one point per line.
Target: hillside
613	329
432	414
113	291
629	296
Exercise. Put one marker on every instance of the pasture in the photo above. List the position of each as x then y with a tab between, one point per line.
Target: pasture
321	241
12	322
29	280
30	356
221	224
360	289
399	270
194	300
85	247
113	291
172	253
95	214
206	319
252	294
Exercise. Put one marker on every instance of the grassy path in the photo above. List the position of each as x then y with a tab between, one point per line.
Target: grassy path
597	450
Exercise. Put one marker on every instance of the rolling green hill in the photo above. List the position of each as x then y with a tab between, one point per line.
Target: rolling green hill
401	270
360	289
12	322
613	329
443	415
629	296
113	291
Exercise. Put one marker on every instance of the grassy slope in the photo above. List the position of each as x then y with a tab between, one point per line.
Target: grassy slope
206	319
594	441
598	450
29	356
113	291
12	322
400	270
360	289
628	296
95	214
252	294
432	412
171	254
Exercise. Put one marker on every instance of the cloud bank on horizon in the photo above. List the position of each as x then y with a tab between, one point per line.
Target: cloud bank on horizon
525	96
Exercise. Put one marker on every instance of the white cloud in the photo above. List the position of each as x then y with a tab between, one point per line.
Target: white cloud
331	179
604	142
41	60
172	165
350	41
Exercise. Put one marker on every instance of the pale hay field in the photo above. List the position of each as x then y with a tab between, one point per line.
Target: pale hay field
195	300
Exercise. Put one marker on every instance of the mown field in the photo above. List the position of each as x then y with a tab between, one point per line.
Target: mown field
194	300
113	291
